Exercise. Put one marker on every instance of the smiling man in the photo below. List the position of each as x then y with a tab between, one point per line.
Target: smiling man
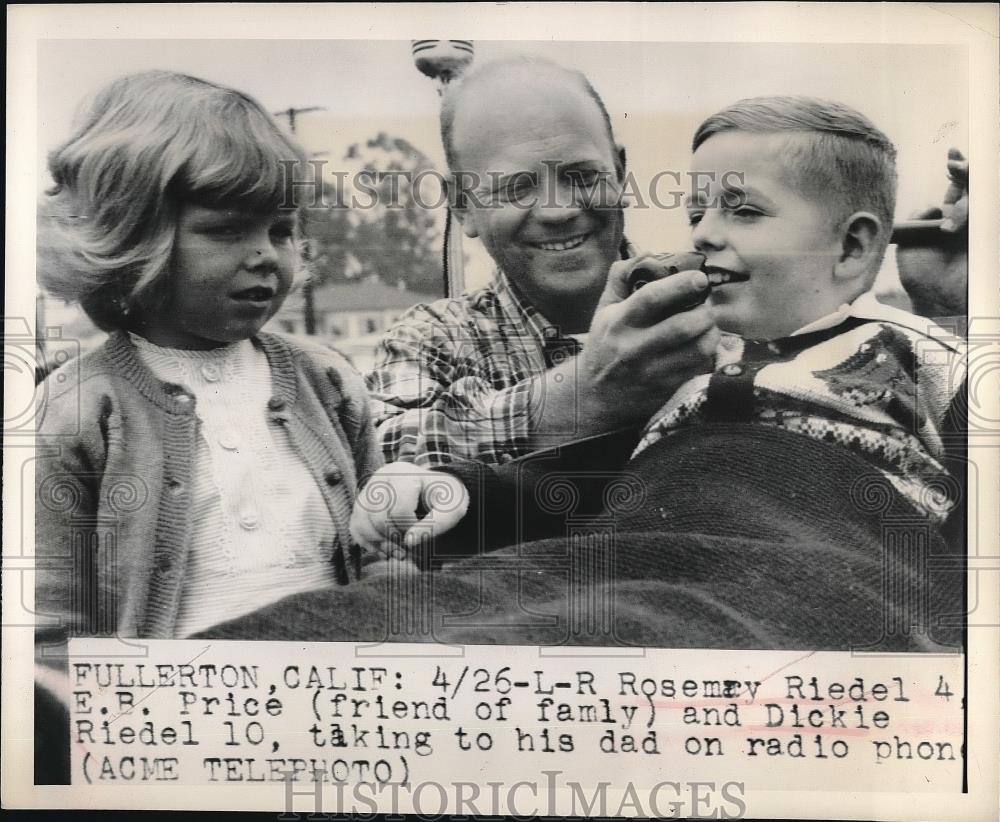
494	374
534	179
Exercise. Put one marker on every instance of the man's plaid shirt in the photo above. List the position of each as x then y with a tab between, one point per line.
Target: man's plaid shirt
453	379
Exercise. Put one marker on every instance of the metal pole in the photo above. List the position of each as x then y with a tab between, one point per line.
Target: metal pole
444	61
454	251
455	255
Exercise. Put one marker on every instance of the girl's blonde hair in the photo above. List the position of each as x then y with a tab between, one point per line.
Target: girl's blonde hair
149	143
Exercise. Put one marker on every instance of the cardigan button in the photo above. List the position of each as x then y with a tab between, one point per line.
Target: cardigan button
333	476
732	370
248	520
229	441
276	403
210	371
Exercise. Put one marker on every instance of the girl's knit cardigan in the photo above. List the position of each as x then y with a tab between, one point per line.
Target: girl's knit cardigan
115	453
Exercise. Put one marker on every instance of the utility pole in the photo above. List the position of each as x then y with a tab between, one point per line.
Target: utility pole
308	298
292	113
445	61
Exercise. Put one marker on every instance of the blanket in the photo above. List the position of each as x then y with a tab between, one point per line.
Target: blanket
727	536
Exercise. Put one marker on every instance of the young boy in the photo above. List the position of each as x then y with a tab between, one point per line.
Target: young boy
799	233
794	222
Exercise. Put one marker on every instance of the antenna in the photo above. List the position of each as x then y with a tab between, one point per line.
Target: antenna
442	60
445	61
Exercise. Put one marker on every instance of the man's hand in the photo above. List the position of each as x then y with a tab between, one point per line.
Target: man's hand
399	497
936	277
640	348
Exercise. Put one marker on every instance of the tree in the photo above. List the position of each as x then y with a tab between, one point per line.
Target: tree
377	226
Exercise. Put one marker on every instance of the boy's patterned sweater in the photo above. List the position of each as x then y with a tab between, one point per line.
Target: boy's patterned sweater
879	381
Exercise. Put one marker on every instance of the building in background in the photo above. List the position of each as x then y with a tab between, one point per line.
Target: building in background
350	310
350	316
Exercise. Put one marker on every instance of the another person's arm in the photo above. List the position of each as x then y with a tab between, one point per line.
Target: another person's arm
400	496
435	394
466	507
936	276
435	402
640	349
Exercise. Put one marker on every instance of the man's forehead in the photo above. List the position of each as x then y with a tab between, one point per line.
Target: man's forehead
501	114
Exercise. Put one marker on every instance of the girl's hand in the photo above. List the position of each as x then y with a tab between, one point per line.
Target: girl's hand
403	504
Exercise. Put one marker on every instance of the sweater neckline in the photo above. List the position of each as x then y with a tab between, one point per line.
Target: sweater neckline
222	354
124	354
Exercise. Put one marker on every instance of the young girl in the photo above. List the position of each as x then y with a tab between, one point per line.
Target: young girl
194	468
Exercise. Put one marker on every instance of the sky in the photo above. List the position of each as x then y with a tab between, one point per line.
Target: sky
656	93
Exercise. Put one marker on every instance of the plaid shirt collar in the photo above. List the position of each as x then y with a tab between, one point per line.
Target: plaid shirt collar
515	306
527	321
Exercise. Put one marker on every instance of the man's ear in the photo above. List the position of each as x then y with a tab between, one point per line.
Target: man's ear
620	154
860	246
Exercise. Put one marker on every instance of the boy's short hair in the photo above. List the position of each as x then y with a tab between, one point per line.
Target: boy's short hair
149	143
842	157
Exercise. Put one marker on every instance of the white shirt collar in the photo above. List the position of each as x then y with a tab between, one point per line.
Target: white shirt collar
868	307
